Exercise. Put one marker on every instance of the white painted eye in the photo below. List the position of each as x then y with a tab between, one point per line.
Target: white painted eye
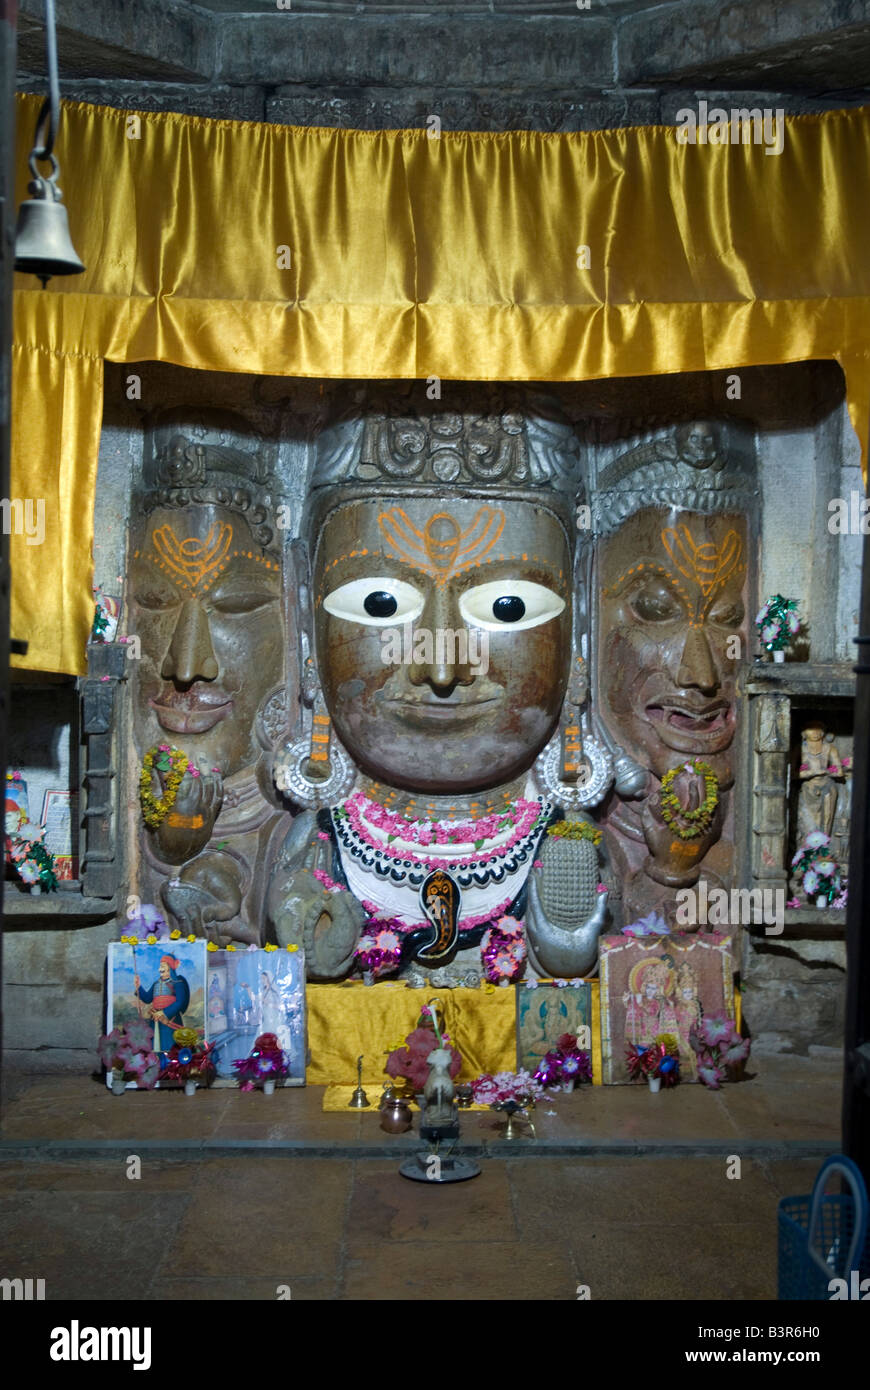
509	604
375	602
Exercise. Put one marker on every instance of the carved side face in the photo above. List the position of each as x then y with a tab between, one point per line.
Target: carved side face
442	633
672	603
207	610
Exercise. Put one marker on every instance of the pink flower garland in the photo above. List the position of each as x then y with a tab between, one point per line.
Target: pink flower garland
360	810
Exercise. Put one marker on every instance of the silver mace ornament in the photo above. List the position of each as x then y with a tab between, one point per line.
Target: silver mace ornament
43	246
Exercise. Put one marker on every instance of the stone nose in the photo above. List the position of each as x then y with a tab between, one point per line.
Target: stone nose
441	644
191	655
697	666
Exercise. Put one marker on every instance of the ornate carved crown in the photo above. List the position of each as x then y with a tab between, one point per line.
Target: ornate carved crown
211	457
486	441
704	466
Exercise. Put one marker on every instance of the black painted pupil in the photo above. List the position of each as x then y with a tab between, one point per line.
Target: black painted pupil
380	604
509	609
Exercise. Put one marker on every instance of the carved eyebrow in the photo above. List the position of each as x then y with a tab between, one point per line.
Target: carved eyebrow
646	569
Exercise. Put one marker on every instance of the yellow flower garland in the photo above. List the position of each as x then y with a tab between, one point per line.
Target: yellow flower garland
156	809
575	830
698	821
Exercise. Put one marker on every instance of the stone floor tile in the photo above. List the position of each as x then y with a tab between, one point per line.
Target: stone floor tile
238	1289
564	1195
89	1245
794	1177
281	1217
495	1271
677	1263
386	1206
94	1175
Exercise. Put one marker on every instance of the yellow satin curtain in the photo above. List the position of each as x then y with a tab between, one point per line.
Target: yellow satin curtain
308	252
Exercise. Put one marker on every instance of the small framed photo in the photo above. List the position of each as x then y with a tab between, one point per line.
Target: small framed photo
163	984
545	1013
254	992
59	806
661	984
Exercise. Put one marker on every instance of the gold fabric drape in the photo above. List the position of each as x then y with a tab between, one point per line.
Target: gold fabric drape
412	257
367	1020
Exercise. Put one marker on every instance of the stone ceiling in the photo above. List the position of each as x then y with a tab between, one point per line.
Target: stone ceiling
820	47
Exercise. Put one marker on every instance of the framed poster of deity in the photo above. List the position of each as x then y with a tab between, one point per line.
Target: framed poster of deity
545	1013
162	984
254	992
661	984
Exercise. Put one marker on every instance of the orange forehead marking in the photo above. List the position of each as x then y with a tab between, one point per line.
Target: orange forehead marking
193	560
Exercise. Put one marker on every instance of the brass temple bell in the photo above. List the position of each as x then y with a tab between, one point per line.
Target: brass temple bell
43	246
359	1100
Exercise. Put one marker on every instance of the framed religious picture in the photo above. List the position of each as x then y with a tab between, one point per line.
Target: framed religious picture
163	984
106	617
661	984
546	1012
254	992
59	806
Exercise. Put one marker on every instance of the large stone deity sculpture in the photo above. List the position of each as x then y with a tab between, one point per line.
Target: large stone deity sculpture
674	559
209	687
437	650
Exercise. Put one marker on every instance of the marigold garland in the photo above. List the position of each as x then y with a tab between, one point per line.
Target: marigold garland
156	809
575	830
695	822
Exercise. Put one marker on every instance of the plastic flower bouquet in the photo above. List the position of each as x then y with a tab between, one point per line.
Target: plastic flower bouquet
127	1053
816	867
718	1045
410	1058
503	951
188	1059
378	950
778	623
265	1063
564	1065
34	863
660	1058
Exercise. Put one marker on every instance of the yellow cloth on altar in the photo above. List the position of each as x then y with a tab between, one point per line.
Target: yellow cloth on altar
345	1021
509	256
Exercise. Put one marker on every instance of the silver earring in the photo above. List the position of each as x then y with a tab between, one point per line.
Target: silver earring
309	792
596	773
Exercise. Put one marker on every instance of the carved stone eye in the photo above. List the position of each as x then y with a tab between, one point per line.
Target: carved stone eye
655	606
380	604
514	603
509	608
375	601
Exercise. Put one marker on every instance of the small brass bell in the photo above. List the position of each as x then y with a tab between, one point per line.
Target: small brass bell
43	246
359	1100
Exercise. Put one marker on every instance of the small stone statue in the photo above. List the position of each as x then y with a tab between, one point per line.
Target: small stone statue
820	765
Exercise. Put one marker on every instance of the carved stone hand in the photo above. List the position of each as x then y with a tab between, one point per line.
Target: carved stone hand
187	828
206	895
675	861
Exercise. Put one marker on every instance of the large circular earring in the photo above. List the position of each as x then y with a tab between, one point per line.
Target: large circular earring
590	788
308	792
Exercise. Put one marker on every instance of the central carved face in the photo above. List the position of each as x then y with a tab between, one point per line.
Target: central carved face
207	610
442	633
672	605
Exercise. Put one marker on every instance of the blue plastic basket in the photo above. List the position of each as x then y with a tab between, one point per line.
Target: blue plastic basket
823	1237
